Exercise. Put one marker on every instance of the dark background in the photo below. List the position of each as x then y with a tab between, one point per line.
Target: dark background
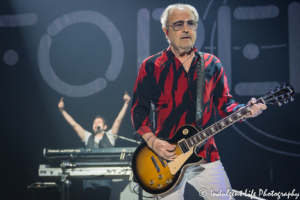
80	53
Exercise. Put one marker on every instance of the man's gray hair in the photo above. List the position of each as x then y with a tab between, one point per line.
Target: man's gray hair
164	19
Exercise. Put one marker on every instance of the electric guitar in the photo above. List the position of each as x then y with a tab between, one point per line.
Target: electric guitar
158	176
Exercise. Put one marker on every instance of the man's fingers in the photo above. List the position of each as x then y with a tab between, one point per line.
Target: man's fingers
169	154
165	149
252	101
62	99
170	147
257	108
263	106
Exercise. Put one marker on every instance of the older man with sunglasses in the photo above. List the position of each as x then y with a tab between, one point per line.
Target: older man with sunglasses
167	81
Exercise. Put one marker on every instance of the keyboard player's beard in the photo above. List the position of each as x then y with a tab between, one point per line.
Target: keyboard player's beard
99	130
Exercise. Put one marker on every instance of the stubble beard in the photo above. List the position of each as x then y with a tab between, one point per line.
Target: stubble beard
182	50
100	131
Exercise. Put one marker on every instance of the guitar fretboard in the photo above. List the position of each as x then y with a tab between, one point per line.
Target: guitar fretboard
218	126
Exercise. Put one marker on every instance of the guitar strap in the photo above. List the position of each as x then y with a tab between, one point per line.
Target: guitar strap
200	90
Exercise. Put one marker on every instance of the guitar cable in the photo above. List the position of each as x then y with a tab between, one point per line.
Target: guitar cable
153	197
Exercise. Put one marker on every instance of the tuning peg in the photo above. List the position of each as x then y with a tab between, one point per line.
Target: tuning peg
290	89
292	99
283	85
288	94
285	101
279	104
277	88
271	90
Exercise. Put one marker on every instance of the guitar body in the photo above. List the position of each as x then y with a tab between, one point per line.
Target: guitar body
153	174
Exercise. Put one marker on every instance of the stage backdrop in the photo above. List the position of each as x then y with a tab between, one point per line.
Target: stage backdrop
89	51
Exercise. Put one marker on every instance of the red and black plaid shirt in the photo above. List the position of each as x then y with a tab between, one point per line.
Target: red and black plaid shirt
163	82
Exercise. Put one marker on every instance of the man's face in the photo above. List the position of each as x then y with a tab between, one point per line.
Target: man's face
185	38
99	122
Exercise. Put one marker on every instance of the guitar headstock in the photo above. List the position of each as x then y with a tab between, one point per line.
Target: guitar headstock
281	93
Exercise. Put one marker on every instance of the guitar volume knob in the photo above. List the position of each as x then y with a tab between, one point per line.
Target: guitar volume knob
151	182
159	186
168	181
160	176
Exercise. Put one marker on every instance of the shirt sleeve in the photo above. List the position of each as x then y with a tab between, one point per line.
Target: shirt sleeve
111	137
141	102
86	137
223	100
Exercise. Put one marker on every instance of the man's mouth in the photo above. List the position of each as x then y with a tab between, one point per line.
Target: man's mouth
186	37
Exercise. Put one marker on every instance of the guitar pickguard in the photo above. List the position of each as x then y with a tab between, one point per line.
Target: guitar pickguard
175	165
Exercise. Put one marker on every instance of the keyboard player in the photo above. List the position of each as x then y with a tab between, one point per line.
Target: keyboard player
97	189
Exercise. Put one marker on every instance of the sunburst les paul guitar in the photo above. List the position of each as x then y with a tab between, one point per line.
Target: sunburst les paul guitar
158	176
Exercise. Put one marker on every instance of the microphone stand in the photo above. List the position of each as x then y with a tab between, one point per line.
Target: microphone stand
124	138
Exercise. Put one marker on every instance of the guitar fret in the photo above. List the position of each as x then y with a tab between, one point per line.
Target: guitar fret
217	128
189	143
218	125
234	117
222	123
196	139
192	141
226	121
199	136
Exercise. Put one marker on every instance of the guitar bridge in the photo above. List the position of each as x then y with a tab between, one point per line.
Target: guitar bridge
162	161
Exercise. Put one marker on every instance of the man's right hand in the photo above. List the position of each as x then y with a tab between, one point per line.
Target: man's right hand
61	104
163	148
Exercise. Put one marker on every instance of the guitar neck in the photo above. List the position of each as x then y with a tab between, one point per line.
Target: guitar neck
220	125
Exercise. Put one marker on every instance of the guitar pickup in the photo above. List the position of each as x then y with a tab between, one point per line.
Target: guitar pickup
155	164
184	147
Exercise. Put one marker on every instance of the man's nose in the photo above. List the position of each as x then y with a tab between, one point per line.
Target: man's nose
185	27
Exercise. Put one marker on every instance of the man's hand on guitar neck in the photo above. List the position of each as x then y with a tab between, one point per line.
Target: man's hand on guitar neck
256	109
160	147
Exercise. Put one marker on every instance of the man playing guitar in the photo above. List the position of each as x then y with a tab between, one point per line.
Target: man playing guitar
167	80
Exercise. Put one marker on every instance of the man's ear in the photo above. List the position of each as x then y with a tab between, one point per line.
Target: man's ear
166	31
104	127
